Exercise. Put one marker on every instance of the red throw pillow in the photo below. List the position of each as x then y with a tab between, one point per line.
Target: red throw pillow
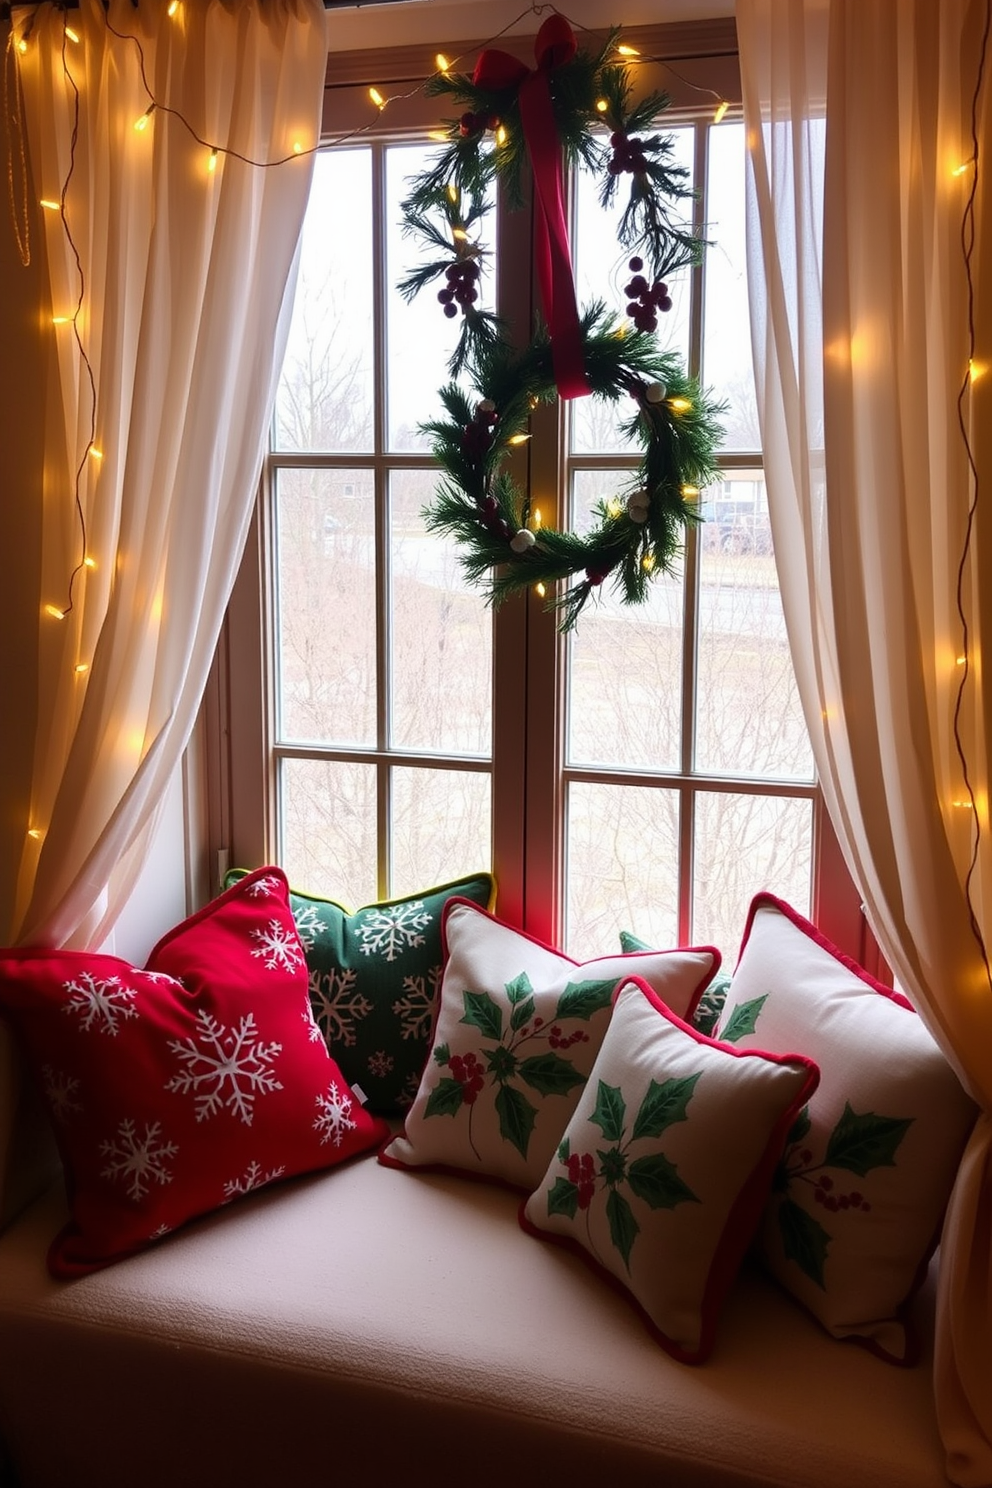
177	1088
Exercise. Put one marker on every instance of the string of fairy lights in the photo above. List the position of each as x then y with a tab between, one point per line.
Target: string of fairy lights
19	44
19	41
973	370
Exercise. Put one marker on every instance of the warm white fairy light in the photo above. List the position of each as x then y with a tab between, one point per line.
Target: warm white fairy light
721	110
54	612
142	124
49	205
443	65
71	35
377	99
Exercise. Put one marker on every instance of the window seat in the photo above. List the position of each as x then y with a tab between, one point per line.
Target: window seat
378	1327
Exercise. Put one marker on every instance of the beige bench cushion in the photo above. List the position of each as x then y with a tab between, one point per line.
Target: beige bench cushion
380	1327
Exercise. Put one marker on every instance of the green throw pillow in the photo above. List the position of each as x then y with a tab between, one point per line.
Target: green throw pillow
710	1005
374	979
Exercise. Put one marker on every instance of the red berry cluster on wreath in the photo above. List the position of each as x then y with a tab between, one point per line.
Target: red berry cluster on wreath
469	1073
462	278
582	1172
628	155
470	124
558	1040
478	435
644	299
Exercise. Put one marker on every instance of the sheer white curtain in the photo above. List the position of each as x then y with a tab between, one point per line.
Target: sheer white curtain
878	450
180	298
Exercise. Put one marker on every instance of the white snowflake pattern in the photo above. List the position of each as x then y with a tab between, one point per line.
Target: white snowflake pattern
308	924
253	1178
160	976
313	1027
140	1160
380	1063
394	929
416	1009
332	1119
160	1232
61	1091
337	1004
234	1064
102	1004
278	947
263	888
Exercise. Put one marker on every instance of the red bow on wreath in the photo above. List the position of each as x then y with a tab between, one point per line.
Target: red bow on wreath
496	70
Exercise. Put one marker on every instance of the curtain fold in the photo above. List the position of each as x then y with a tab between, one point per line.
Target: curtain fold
866	195
171	270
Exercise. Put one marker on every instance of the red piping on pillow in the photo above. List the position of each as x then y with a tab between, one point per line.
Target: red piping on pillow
815	935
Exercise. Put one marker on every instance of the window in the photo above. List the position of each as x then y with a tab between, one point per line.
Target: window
648	772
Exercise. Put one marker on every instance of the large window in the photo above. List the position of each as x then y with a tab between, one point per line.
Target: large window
651	771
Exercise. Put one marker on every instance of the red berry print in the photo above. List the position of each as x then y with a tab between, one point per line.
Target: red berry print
582	1172
469	1073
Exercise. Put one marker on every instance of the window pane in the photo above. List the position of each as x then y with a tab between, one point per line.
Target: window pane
441	827
749	719
727	367
441	634
325	613
324	400
420	337
621	867
328	828
745	844
601	273
625	664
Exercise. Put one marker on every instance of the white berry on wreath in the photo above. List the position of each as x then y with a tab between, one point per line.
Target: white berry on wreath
523	541
656	392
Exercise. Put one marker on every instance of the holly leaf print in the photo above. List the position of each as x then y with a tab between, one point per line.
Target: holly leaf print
564	1150
624	1228
516	1117
582	999
859	1143
518	989
799	1128
610	1112
563	1198
445	1099
482	1012
656	1180
663	1105
442	1054
502	1064
743	1019
549	1074
522	1013
804	1240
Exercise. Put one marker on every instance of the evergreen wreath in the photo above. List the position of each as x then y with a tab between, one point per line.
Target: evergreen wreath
509	114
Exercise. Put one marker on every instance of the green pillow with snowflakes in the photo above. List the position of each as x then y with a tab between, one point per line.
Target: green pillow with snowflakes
662	1173
375	974
706	1013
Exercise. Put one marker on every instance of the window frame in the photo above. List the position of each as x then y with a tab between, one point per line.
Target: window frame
239	705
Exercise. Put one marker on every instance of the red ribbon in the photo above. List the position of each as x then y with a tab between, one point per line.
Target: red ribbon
496	70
